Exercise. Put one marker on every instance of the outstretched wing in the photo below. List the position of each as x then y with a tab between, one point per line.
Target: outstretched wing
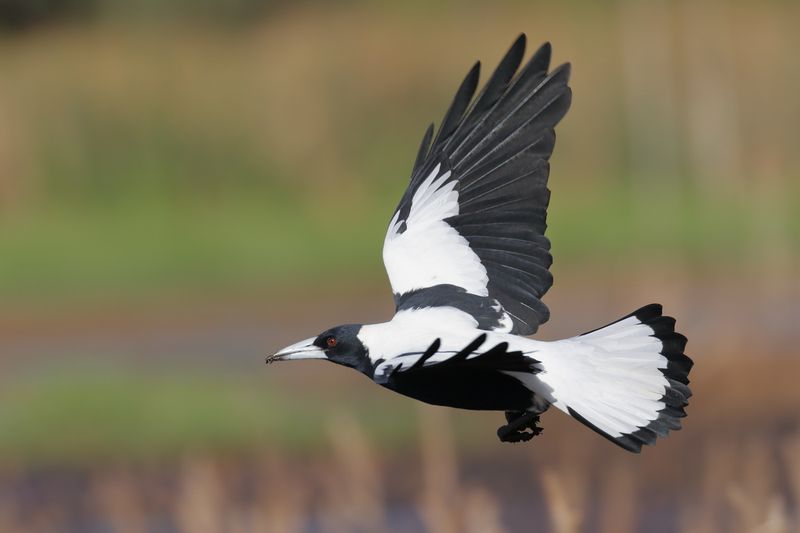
467	379
469	230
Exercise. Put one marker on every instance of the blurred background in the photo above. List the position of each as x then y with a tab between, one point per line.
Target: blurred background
187	186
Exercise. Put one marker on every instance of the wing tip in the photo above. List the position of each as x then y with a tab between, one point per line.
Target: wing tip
473	76
519	43
540	61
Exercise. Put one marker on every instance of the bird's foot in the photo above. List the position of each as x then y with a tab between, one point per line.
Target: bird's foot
519	422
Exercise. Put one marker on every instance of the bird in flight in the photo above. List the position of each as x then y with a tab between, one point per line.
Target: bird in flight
468	263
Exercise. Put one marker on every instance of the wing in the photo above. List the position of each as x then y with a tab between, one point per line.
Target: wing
467	379
469	230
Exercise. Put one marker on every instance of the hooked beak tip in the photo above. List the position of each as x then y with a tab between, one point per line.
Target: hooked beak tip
282	355
301	350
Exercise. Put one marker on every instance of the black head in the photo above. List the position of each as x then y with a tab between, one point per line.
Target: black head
340	345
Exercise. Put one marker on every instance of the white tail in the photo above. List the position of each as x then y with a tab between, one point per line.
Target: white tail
627	381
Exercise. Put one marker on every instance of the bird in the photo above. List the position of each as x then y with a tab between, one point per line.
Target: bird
468	263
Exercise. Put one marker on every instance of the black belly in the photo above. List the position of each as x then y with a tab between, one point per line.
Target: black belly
479	389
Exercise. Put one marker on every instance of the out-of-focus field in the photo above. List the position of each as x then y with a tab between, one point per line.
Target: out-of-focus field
185	188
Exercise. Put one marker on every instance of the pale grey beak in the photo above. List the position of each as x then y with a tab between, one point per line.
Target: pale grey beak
300	350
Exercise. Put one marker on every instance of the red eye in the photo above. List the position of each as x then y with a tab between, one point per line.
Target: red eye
331	342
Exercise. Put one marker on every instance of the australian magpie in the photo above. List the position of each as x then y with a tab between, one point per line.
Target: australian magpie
468	262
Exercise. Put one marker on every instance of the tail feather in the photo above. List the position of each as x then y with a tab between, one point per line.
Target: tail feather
628	381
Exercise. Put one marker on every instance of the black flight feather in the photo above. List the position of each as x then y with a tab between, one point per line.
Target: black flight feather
497	146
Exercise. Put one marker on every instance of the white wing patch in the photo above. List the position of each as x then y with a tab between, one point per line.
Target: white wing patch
430	252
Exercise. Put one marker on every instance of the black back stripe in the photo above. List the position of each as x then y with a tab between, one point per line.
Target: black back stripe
486	311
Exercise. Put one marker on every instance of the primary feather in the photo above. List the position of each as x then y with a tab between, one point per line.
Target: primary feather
482	185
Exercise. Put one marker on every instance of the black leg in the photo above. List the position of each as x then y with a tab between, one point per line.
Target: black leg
514	415
518	423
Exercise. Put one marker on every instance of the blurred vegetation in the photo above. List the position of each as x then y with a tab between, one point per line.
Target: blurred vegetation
139	159
157	148
356	480
103	412
26	15
254	148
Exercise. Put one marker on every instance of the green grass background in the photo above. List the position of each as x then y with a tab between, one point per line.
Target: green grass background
145	155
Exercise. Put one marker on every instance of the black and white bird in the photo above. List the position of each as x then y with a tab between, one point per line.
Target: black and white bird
468	262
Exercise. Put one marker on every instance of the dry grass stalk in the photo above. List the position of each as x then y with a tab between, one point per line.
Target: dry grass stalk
713	120
9	519
354	493
49	518
201	500
703	513
791	460
117	498
482	512
280	503
766	514
754	498
439	505
9	522
565	490
647	60
618	499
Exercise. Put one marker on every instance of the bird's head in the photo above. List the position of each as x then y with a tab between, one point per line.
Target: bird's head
340	345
